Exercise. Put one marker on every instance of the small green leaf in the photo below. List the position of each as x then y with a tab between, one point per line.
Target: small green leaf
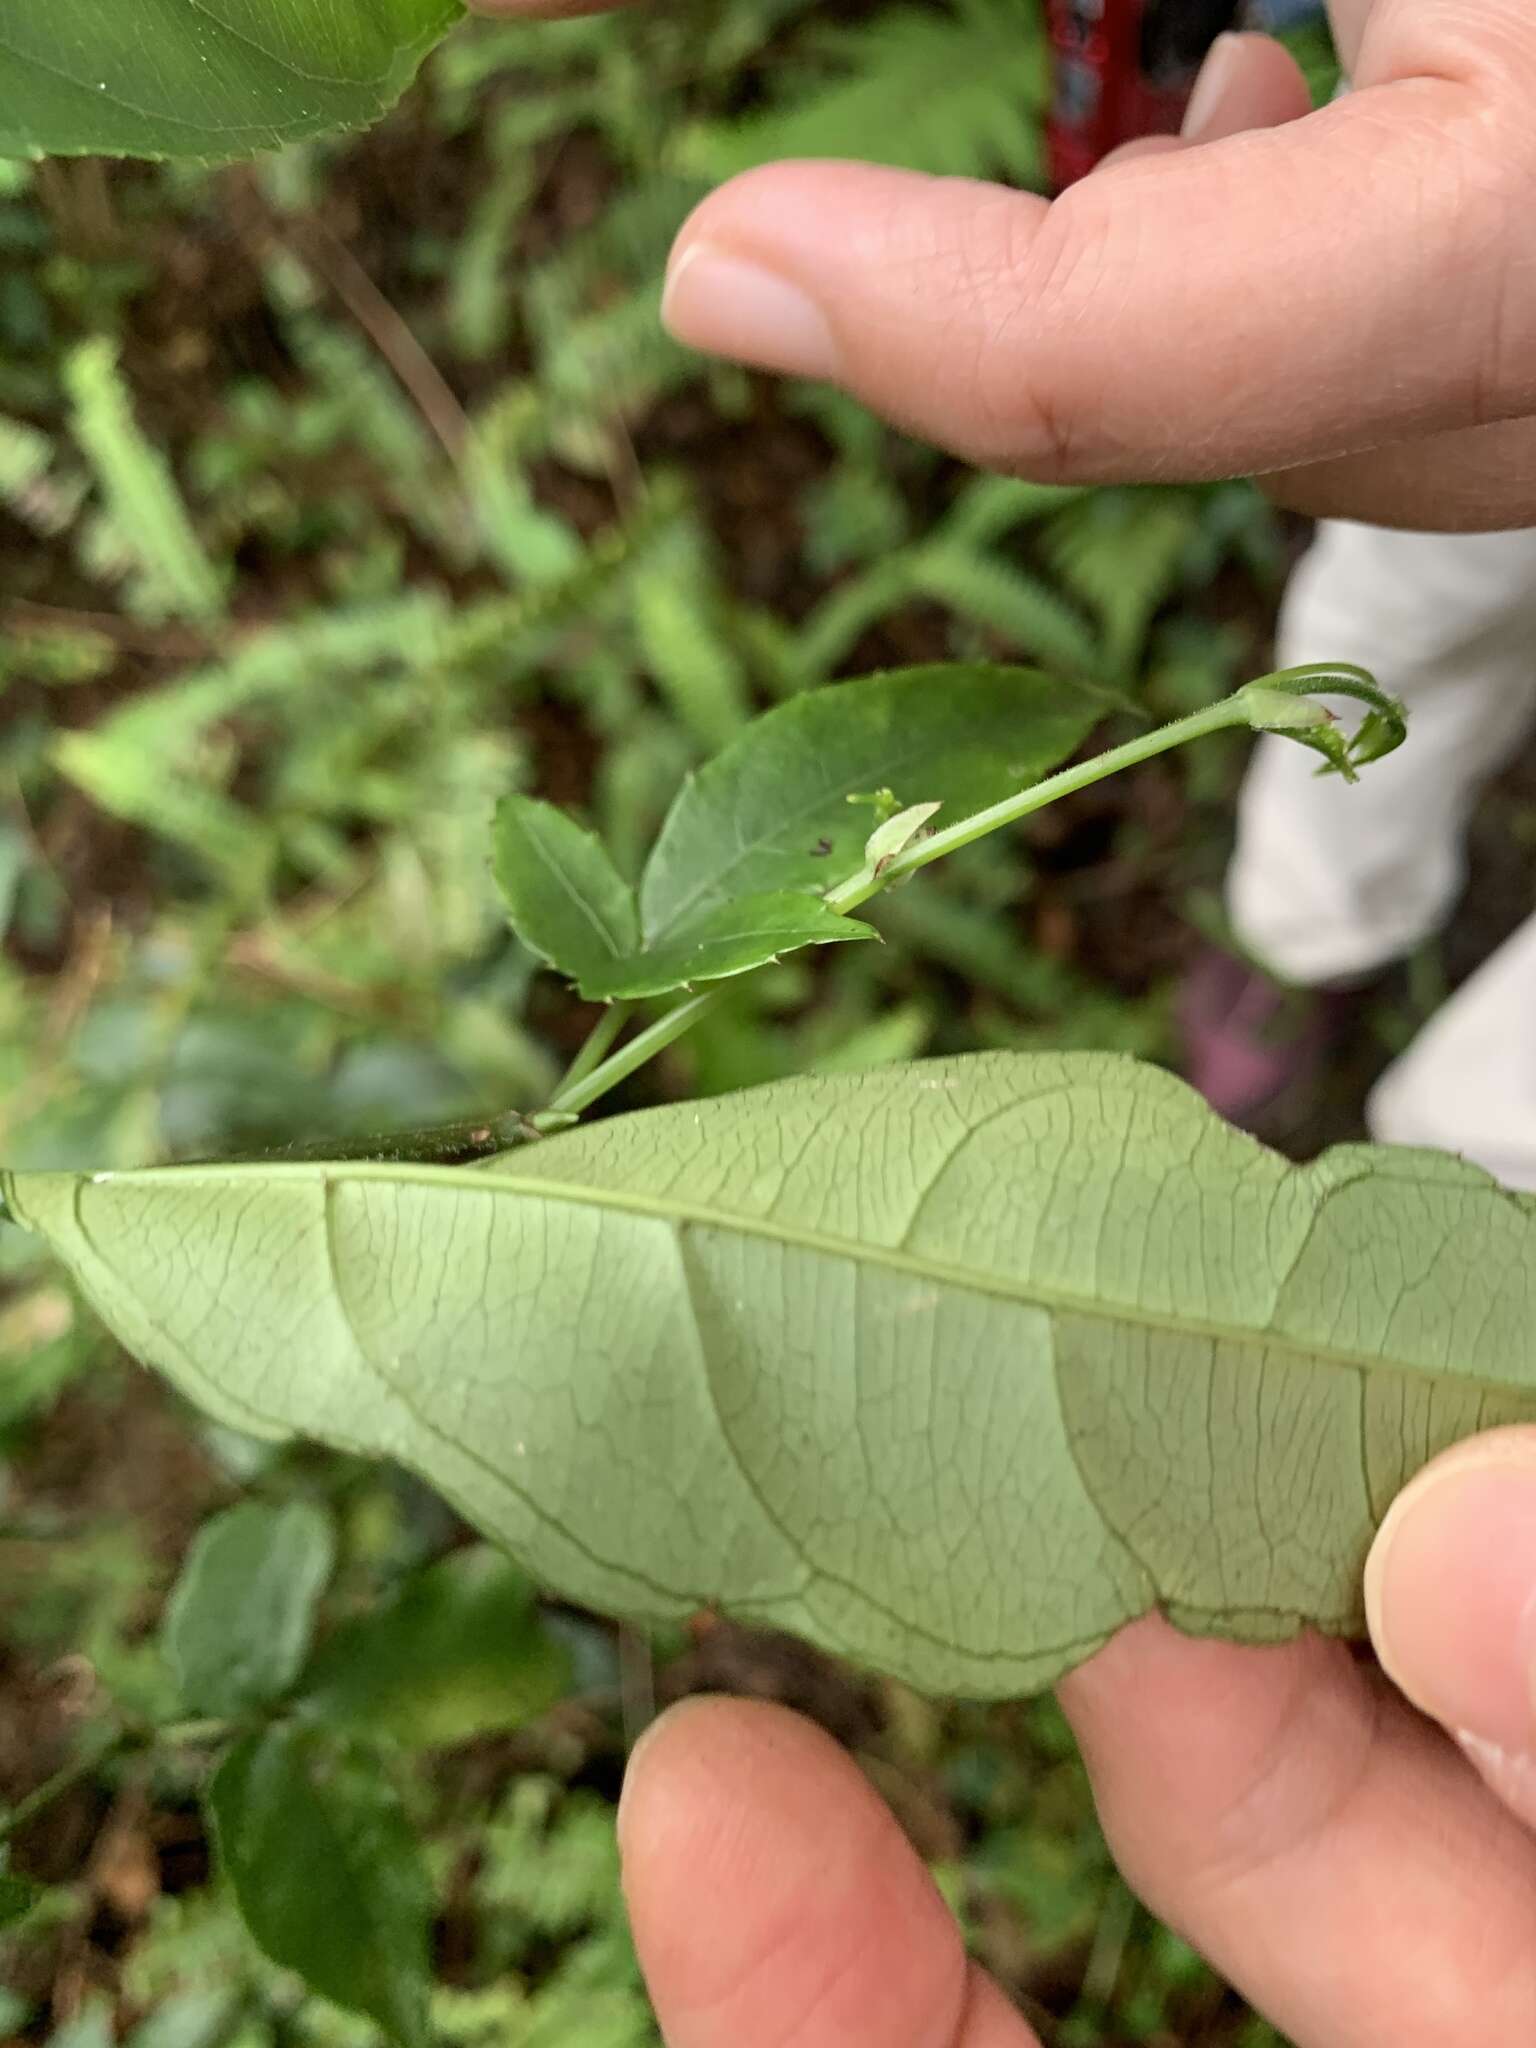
761	834
237	1626
1286	703
326	1871
772	813
567	901
149	519
205	79
460	1651
730	939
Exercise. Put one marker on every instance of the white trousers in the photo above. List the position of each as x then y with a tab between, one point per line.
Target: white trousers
1330	881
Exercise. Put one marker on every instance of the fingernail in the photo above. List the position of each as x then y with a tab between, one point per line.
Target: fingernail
680	1711
728	306
1450	1593
1210	88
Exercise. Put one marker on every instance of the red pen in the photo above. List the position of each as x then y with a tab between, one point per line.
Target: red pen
1123	68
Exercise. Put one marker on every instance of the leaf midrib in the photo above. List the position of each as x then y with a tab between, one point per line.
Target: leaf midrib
1033	1294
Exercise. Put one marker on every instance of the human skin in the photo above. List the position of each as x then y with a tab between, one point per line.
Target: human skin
1344	301
1341	301
1367	1881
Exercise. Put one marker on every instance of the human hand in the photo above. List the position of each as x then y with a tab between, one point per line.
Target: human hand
1358	1878
1345	300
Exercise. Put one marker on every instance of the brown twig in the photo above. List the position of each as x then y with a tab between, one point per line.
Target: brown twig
332	262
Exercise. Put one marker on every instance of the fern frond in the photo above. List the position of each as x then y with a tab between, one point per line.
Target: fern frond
987	507
527	542
145	524
681	645
1025	612
842	617
478	309
1121	553
135	786
957	91
43	495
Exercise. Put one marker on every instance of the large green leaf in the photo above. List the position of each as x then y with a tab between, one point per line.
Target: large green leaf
327	1871
954	1367
207	79
238	1623
778	808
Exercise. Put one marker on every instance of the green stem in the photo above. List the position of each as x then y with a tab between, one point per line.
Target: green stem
188	1734
594	1048
1215	718
654	1039
62	1781
1275	703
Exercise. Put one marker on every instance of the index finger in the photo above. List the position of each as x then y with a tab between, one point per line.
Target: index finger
1326	1849
776	1902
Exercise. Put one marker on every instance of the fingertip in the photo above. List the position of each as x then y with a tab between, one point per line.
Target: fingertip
772	1894
648	1759
1247	82
1450	1592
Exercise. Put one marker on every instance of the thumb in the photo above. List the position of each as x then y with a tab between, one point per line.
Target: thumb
1450	1592
1260	300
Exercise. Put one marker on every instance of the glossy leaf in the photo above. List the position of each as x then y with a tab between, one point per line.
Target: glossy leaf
730	938
327	1873
567	901
205	79
460	1651
237	1626
779	809
954	1368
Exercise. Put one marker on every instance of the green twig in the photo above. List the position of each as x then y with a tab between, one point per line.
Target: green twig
593	1049
116	1742
1277	703
654	1039
869	881
62	1781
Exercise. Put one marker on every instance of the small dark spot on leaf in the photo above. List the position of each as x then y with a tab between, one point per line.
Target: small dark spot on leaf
822	848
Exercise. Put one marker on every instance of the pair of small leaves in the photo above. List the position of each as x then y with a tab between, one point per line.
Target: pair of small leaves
208	80
571	906
312	1834
758	837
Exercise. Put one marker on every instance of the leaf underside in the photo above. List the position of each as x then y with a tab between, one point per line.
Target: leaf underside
208	80
953	1368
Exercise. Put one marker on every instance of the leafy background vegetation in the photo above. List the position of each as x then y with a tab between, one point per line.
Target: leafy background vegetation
339	497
